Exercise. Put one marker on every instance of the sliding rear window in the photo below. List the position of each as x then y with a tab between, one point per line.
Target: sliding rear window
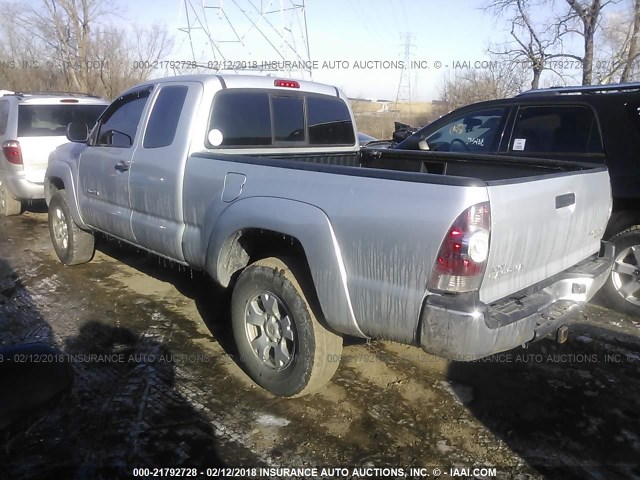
250	118
52	120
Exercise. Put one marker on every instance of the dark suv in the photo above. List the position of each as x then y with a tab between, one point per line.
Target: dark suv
595	124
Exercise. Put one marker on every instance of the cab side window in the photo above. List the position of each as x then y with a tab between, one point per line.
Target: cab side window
571	129
477	131
119	125
163	122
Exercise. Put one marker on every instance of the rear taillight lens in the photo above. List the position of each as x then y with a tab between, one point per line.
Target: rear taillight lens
462	258
12	152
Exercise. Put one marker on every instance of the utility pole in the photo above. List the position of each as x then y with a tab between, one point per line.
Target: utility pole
404	86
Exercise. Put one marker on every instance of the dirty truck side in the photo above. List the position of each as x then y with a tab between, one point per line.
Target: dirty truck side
261	183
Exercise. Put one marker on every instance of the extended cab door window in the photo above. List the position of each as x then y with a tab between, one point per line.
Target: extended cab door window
477	131
163	122
119	123
561	129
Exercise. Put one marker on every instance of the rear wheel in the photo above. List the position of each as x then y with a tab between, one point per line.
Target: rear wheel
72	245
622	290
282	345
8	205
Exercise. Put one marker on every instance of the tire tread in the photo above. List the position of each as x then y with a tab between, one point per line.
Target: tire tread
81	243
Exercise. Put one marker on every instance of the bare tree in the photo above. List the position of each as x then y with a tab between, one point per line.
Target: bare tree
632	52
533	44
476	85
74	44
614	55
583	18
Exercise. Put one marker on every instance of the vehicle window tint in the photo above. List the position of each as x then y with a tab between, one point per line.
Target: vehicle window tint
120	123
52	120
4	116
165	116
633	110
329	121
477	131
556	129
243	118
288	119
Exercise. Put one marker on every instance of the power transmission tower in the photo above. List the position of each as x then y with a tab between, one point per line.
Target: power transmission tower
404	87
246	35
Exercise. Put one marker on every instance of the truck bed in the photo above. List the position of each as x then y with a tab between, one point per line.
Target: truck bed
490	169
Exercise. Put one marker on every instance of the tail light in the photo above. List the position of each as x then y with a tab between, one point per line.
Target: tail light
462	258
12	152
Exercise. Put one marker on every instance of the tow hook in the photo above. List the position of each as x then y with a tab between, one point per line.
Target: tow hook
562	334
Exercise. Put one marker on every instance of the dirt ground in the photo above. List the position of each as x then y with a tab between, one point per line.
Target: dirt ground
155	385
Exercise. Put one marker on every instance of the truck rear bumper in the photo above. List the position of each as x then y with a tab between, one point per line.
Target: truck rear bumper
461	328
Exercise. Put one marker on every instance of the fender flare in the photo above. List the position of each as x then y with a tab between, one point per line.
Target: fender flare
63	172
312	228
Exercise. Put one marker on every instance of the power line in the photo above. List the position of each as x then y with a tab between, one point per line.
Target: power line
240	35
404	86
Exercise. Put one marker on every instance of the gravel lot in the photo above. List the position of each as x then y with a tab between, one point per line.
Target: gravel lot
155	385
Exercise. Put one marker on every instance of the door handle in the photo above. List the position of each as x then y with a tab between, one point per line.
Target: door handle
121	167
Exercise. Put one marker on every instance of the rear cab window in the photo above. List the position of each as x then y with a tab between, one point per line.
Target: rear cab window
556	129
37	120
249	118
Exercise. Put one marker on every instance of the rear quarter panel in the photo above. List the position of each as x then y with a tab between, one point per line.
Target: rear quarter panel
384	233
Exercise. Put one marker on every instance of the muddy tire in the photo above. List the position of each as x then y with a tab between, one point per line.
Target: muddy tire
281	344
72	245
622	290
8	205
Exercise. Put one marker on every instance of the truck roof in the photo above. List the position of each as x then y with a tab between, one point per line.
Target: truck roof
251	81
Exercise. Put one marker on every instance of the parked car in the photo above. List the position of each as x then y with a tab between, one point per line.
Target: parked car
593	124
31	126
363	138
262	184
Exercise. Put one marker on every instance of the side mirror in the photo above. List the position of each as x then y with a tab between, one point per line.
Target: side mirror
77	132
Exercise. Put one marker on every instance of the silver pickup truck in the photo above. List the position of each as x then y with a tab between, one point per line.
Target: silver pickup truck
261	183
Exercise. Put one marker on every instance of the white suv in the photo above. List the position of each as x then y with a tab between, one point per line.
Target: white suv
31	126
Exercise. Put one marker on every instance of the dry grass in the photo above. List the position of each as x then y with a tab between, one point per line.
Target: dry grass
376	119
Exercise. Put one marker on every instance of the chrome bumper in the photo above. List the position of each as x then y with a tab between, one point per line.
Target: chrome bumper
459	327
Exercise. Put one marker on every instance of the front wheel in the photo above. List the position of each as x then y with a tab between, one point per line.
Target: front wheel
622	290
8	205
282	345
72	245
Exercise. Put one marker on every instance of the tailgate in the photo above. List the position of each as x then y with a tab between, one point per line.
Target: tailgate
35	155
543	226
